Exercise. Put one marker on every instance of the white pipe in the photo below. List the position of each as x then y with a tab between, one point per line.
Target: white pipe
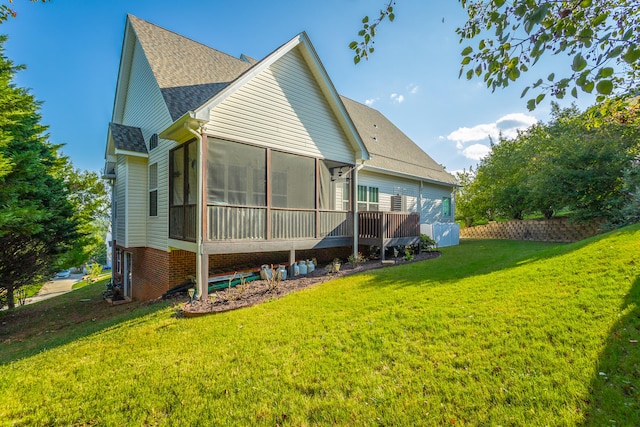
202	277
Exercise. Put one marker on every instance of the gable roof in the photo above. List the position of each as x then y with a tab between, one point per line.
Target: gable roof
301	42
193	78
391	149
187	72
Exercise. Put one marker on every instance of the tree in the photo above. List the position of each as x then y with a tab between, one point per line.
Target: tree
601	37
89	197
37	218
501	179
7	10
588	163
465	197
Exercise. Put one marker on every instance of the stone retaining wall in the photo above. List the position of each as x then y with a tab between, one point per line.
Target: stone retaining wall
553	230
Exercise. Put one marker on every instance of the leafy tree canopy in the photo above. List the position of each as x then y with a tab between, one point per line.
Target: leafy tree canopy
505	38
587	163
45	205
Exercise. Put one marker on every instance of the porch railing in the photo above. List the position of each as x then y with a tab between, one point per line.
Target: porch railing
250	223
388	225
336	224
237	223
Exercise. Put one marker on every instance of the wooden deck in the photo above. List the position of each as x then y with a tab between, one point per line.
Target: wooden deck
241	229
384	229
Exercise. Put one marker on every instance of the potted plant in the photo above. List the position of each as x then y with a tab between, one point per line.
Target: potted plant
334	267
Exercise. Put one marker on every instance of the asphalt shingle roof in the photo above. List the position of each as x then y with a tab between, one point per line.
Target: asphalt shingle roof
188	72
390	148
127	138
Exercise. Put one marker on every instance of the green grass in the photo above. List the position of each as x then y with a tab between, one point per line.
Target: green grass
490	333
83	283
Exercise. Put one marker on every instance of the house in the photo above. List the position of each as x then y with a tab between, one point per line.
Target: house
218	162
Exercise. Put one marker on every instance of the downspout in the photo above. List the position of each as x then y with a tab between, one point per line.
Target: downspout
202	277
112	183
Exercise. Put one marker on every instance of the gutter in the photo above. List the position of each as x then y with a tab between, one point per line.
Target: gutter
412	177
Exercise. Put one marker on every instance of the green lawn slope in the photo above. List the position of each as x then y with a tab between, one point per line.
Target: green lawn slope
490	333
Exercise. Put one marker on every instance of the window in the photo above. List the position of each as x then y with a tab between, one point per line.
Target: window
368	199
118	261
446	206
153	141
346	192
236	174
153	190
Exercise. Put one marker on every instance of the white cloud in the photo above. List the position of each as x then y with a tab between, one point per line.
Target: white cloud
479	135
371	101
397	98
508	125
476	151
413	89
476	133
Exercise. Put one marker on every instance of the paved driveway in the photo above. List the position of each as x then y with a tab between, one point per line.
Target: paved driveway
55	287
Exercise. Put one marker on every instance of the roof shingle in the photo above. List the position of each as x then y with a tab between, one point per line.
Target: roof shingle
188	72
127	138
390	148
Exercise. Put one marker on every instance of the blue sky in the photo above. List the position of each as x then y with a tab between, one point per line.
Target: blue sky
72	51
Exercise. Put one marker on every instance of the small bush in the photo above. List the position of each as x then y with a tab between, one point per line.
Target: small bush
356	260
427	243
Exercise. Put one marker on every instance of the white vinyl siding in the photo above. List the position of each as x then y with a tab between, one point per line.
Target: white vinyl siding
120	228
158	227
283	108
131	201
137	197
429	203
432	197
144	107
389	186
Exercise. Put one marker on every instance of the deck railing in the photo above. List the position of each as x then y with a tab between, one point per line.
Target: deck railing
250	223
388	225
237	223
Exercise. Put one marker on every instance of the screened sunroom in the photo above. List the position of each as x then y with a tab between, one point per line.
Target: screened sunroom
257	194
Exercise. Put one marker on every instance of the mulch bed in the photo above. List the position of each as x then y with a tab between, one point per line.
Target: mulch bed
258	291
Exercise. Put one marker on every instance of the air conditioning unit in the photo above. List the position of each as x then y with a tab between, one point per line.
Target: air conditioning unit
398	203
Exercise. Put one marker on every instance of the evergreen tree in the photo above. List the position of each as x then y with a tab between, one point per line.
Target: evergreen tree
37	221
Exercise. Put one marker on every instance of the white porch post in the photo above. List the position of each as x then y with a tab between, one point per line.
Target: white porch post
354	204
202	259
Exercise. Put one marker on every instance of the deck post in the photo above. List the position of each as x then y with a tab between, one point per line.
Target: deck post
292	259
354	208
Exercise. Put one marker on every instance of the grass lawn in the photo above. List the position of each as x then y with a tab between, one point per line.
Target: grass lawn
490	333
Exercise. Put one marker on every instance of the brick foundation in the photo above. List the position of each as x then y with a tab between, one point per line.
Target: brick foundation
156	271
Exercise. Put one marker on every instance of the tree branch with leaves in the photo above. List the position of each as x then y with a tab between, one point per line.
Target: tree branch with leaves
8	11
601	37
